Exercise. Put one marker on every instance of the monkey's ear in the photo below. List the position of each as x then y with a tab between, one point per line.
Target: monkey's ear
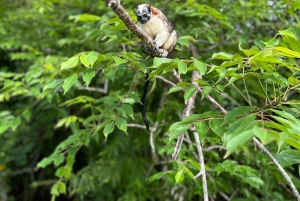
149	8
154	10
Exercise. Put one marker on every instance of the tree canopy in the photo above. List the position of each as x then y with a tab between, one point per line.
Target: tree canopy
223	108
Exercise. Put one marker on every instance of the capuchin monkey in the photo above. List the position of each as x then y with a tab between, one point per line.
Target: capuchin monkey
156	26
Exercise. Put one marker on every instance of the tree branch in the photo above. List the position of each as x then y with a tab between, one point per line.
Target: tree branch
279	167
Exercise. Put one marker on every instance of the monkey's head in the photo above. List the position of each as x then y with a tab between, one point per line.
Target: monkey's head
143	13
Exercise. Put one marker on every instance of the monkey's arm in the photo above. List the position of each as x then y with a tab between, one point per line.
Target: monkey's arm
161	38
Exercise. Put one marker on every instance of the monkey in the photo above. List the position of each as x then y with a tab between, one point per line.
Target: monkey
156	26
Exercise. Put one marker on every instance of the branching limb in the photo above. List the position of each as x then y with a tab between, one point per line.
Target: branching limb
187	112
279	167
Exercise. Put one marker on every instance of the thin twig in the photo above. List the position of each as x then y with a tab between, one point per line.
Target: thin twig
279	167
136	126
165	80
177	147
213	147
104	90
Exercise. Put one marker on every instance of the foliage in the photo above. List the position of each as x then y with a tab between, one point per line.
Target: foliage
71	80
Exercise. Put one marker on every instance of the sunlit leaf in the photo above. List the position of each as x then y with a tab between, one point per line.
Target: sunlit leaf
69	82
70	63
53	84
88	76
108	129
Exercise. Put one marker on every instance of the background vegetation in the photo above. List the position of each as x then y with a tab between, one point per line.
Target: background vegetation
70	83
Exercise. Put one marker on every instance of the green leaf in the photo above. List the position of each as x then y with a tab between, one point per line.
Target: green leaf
252	51
157	176
201	67
188	172
194	163
54	189
88	76
184	40
245	123
109	72
229	63
63	171
158	61
201	129
121	124
288	157
272	42
70	160
27	114
288	52
198	117
85	17
62	188
53	84
44	162
15	123
182	67
266	59
237	140
70	63
177	129
128	109
216	126
59	159
291	32
108	129
222	56
205	91
189	93
175	89
163	67
72	151
119	60
179	176
254	181
264	135
69	82
238	111
88	60
292	43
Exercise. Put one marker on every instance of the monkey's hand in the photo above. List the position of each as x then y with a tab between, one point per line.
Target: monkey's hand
150	51
164	53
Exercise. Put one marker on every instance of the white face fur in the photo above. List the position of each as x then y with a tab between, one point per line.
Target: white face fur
143	13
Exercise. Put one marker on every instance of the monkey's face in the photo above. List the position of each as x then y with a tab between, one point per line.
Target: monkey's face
143	13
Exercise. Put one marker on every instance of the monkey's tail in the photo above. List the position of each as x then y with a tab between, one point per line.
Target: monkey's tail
143	100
